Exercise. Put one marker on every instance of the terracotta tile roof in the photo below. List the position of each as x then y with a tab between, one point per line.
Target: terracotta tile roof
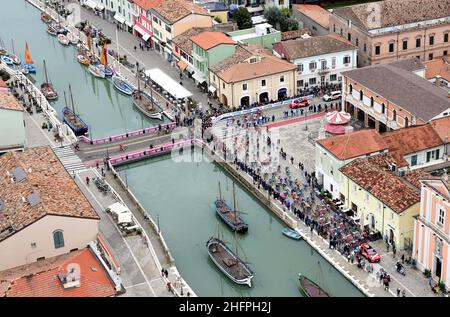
414	177
3	84
313	46
354	144
410	140
442	127
373	175
237	67
40	279
183	40
294	34
147	4
45	177
394	12
175	10
208	40
407	90
315	13
438	67
9	102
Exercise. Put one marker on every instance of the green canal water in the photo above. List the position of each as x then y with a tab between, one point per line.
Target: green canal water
181	195
105	110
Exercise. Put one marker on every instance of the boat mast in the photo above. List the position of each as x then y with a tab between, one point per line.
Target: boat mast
12	43
234	204
118	55
65	99
45	72
220	192
71	98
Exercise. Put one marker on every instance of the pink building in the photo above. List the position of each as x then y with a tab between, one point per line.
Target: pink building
143	22
432	229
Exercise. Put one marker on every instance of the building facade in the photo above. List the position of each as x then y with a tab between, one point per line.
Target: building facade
320	60
390	30
12	124
313	17
142	27
262	34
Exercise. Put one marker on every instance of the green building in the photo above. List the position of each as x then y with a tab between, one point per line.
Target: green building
262	34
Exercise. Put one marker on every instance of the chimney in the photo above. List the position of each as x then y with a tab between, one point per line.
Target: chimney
437	82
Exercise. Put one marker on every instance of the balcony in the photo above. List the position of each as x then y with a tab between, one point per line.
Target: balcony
323	70
199	58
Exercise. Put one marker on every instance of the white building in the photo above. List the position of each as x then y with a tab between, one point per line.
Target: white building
12	126
121	11
319	59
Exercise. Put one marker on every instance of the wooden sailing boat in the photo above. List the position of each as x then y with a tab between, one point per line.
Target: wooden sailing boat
16	60
310	288
145	103
228	261
73	120
230	216
46	18
29	64
47	88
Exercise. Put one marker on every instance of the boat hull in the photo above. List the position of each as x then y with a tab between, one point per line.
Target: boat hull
311	289
49	93
152	114
81	128
30	68
94	70
63	40
241	281
121	85
241	227
291	234
52	31
7	60
83	60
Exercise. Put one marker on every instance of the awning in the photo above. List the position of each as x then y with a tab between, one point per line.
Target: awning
129	24
119	18
91	4
146	36
100	7
170	85
121	211
198	77
190	69
182	64
212	89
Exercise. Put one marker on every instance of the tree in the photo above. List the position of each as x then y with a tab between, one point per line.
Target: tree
243	18
273	16
281	19
288	24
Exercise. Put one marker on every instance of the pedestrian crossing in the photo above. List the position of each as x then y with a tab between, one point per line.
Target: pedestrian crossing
69	159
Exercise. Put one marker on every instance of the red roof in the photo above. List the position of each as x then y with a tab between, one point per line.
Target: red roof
207	40
147	4
40	279
3	84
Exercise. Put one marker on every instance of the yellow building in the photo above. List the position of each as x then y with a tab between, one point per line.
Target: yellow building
252	75
380	200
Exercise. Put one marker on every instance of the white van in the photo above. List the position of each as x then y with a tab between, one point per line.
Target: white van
332	95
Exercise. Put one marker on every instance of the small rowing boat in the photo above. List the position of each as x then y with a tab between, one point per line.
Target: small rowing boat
30	68
7	60
63	39
61	30
16	60
83	60
290	233
121	84
72	38
311	289
3	51
52	30
46	18
96	71
229	262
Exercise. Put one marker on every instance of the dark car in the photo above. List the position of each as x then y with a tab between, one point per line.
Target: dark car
369	253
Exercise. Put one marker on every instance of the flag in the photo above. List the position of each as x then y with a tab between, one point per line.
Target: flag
103	58
28	55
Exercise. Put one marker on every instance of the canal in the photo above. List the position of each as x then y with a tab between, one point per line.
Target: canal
105	110
180	192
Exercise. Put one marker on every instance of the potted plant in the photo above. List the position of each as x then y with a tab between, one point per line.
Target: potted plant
427	273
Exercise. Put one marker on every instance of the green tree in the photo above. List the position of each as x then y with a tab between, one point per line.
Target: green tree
281	19
288	24
273	16
243	18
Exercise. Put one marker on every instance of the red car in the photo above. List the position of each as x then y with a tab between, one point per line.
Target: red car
369	253
299	103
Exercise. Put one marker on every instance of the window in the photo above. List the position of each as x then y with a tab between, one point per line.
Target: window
331	187
445	53
281	79
312	81
357	42
391	47
361	95
405	44
168	29
300	83
346	59
406	122
366	198
333	77
253	60
244	87
441	216
155	20
394	115
263	83
214	77
377	50
223	85
414	160
445	37
334	28
312	65
365	48
300	67
33	245
324	64
58	239
432	40
371	102
432	155
349	37
341	32
383	108
392	215
350	88
331	170
333	62
430	56
418	42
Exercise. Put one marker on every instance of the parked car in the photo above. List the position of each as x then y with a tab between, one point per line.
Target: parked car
332	95
299	103
369	253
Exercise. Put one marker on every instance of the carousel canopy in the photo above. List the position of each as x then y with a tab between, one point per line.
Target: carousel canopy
338	128
338	117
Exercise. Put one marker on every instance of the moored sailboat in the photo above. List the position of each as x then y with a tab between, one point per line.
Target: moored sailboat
96	71
52	30
46	18
63	39
230	216
122	85
47	88
29	64
229	262
311	288
16	60
73	120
